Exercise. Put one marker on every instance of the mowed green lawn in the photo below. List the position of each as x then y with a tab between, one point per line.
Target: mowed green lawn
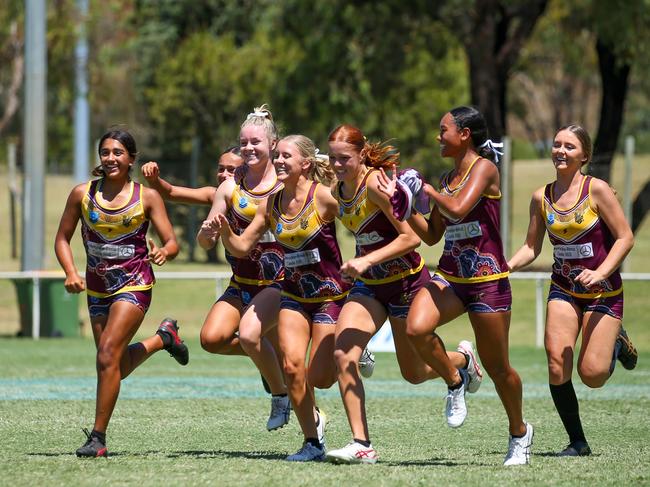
204	424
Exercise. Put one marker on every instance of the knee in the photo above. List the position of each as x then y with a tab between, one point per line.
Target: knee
249	337
107	357
593	377
343	360
211	342
413	376
557	364
321	377
499	371
293	370
417	326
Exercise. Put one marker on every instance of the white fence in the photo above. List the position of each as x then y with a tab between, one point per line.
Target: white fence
381	342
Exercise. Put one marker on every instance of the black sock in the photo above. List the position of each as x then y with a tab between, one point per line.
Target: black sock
99	435
279	395
365	443
566	403
313	442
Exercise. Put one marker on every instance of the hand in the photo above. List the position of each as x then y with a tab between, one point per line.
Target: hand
150	171
386	184
223	225
590	278
210	229
157	255
429	190
353	268
74	283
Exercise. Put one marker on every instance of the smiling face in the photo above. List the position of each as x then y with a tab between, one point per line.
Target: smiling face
345	160
228	162
567	151
115	159
452	139
255	145
289	163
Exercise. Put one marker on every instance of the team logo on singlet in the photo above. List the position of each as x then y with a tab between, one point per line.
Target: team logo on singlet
93	216
304	224
368	238
278	228
243	202
550	218
578	216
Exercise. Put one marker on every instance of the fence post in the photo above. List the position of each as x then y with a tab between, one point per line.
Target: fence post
539	313
506	199
36	307
627	191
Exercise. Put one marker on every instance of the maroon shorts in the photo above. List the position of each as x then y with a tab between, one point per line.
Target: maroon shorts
100	306
324	313
481	297
244	292
612	305
396	296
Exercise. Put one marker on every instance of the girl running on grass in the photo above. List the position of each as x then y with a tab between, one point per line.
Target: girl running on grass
590	238
249	307
115	213
302	217
229	161
472	274
386	273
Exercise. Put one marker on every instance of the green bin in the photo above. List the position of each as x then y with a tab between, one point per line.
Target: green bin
59	309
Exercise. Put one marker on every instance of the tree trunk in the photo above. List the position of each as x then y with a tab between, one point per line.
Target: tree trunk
614	75
496	33
13	99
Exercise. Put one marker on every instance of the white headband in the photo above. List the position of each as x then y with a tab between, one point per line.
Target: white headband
493	147
257	114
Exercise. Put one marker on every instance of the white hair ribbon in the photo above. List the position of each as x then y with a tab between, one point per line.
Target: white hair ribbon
257	114
493	146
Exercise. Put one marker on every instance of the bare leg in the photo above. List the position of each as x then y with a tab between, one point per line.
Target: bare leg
294	334
599	332
434	305
359	320
491	331
259	317
218	334
112	341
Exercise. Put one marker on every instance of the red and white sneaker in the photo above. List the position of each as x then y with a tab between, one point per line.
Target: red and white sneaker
353	452
473	368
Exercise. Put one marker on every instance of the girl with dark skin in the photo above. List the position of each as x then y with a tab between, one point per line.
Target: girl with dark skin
115	213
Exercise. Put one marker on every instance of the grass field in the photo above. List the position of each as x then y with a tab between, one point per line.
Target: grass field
204	425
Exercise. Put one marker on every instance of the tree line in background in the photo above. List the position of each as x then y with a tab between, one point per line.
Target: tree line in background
173	70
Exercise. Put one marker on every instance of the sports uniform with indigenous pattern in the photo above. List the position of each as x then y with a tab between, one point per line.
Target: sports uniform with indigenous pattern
263	266
115	240
472	262
581	240
393	283
312	259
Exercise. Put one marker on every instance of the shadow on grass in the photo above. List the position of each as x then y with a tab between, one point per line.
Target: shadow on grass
178	454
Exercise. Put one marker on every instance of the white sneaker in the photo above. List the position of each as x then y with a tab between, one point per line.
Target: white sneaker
353	452
321	424
280	412
308	453
473	368
519	448
456	409
367	363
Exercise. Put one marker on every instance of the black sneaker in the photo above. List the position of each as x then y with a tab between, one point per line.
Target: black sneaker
94	447
576	449
627	354
168	331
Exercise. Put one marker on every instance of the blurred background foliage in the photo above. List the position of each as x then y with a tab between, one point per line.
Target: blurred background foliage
174	70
